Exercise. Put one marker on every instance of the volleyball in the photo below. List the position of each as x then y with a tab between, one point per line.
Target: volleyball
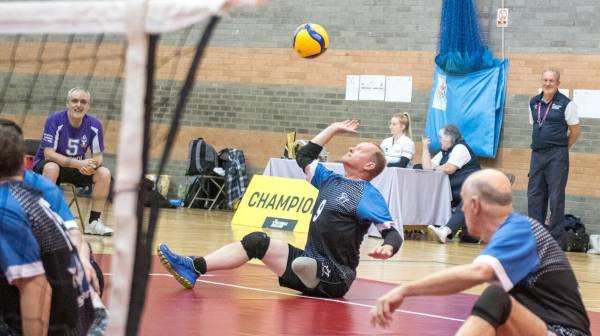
310	40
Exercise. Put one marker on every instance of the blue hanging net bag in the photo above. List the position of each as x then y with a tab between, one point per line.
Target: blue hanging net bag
461	50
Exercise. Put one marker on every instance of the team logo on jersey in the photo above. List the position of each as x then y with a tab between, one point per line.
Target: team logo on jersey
325	271
343	198
83	141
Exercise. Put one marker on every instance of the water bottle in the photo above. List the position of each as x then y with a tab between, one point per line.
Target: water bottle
181	191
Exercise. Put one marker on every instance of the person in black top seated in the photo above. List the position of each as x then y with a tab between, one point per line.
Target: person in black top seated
345	208
458	161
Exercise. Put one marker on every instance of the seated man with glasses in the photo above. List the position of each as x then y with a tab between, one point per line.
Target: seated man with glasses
61	157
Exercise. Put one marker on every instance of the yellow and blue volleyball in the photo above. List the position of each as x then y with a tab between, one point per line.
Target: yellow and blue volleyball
310	40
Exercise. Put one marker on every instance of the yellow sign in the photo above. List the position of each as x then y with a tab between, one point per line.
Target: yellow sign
277	203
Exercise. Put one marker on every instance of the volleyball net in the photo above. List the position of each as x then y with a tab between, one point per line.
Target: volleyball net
112	49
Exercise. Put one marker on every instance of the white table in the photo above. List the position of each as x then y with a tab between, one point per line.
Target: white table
417	197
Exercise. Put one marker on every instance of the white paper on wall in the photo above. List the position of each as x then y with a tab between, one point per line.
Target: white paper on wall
587	103
398	89
372	87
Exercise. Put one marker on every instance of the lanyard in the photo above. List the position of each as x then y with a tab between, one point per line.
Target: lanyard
540	121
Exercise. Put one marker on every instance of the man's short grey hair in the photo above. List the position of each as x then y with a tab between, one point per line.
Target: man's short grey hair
556	72
453	133
77	88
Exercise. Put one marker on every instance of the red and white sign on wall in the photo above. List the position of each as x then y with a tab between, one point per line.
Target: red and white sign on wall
502	18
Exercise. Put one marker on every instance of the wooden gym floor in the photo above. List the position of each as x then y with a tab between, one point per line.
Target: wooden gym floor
248	301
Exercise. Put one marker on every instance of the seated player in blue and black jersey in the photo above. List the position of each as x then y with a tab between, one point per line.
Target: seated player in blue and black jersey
43	288
533	288
56	200
345	208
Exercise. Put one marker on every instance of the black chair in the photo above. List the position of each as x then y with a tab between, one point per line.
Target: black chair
207	184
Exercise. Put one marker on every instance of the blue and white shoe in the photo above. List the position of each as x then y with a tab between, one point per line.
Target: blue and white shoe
181	267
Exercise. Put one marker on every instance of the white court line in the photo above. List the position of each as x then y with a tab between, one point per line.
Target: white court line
308	297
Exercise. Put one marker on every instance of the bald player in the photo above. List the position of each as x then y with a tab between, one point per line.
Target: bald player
533	289
345	208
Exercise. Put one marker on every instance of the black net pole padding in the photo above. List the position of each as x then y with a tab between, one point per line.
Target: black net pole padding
185	91
142	261
175	59
145	238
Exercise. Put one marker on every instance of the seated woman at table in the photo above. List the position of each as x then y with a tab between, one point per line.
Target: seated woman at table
399	148
458	161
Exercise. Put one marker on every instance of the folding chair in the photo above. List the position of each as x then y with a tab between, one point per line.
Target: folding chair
73	189
204	192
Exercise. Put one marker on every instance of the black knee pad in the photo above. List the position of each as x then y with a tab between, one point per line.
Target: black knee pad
256	244
494	306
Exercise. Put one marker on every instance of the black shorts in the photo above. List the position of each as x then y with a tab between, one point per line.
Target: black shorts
67	175
289	279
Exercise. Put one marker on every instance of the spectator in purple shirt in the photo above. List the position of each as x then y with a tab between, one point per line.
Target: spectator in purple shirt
61	157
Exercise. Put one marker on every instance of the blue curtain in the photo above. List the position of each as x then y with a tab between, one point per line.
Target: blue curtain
474	102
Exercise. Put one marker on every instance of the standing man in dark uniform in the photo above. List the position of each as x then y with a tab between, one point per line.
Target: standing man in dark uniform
345	208
556	128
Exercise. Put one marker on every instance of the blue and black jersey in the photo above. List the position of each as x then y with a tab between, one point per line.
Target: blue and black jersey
53	195
342	215
33	241
530	266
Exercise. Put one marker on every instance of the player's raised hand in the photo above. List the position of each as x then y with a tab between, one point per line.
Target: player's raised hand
382	252
347	126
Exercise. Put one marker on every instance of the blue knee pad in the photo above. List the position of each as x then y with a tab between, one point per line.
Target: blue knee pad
494	306
256	244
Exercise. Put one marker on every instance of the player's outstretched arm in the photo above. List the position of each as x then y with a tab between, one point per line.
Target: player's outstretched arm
307	154
449	281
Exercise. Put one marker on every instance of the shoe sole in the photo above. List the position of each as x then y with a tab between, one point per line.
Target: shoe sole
163	260
435	235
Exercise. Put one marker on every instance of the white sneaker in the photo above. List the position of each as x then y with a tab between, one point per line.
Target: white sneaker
439	234
96	227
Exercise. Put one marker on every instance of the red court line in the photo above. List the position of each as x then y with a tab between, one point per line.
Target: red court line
248	301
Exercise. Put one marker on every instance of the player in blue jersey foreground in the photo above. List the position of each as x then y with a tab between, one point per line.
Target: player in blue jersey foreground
345	208
43	287
533	291
52	194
